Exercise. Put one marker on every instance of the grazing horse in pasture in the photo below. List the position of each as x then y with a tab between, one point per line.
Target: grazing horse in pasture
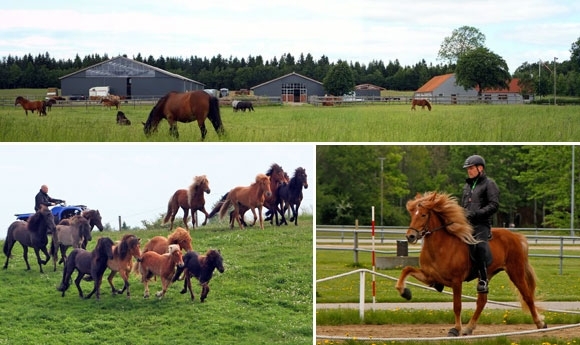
420	102
188	199
109	103
251	197
93	263
200	267
162	265
76	234
122	261
27	105
122	119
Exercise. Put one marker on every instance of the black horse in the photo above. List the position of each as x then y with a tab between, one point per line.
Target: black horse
93	263
243	105
32	233
290	195
200	267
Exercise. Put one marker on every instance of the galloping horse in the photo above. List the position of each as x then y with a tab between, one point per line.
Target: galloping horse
251	197
290	194
187	199
76	234
200	267
94	218
160	244
421	102
185	107
153	264
93	263
31	105
32	233
441	222
122	260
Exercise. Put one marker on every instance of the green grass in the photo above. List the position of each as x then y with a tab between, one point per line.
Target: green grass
263	297
306	123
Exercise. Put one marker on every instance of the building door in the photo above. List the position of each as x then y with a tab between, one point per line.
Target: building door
128	88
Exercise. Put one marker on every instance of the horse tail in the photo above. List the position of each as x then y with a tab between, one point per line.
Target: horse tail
224	208
9	241
169	209
218	206
155	115
214	115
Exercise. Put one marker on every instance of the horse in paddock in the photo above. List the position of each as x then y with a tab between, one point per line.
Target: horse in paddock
122	261
185	107
162	265
122	119
201	267
188	199
31	105
251	197
49	103
76	234
243	106
109	103
32	233
290	195
93	263
441	222
420	102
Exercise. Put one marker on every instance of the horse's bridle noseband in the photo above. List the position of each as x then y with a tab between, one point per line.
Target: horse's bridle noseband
425	230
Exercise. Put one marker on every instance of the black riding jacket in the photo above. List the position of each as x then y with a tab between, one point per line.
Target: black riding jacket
42	198
481	200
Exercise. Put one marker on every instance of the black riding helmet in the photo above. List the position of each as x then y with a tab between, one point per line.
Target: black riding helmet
474	160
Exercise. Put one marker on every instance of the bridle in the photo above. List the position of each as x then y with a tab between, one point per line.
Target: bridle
426	230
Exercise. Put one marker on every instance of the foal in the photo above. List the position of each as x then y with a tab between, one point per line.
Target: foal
200	267
153	264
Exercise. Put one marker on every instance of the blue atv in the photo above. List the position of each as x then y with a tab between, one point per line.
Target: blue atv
59	212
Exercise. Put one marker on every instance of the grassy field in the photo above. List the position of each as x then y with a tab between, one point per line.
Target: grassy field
263	297
306	123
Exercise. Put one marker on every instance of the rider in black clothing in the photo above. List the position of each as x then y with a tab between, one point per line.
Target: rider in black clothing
42	198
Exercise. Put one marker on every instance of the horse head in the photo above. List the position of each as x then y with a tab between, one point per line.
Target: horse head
104	248
263	182
215	259
94	217
176	255
300	174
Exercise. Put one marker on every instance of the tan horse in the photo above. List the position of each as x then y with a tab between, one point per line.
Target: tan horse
252	197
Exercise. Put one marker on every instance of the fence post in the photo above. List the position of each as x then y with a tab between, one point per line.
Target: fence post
361	303
355	242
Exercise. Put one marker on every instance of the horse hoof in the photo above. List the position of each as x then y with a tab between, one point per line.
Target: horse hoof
466	331
145	296
453	333
407	294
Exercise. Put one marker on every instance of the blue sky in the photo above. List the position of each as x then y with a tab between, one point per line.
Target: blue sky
362	31
135	181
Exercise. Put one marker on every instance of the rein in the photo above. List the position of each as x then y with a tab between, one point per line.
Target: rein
426	231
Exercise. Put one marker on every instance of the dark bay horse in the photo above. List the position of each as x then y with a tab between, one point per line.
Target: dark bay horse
420	102
49	103
185	107
93	263
32	233
251	197
76	234
188	199
290	194
441	222
200	267
27	105
122	261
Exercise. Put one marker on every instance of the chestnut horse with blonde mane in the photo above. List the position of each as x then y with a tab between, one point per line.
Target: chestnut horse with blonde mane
27	105
420	102
188	199
441	222
185	107
252	197
153	264
160	244
123	254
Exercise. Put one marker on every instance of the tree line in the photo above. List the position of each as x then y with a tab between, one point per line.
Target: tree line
534	181
44	71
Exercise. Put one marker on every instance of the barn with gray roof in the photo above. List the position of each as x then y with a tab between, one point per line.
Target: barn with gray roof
291	87
128	78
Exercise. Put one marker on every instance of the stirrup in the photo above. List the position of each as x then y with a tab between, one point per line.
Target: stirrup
482	287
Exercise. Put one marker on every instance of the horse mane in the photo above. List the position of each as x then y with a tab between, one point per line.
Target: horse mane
127	242
260	177
173	248
193	188
181	237
273	167
35	222
451	213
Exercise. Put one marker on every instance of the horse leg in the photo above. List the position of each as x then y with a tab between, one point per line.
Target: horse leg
164	285
110	280
187	285
454	332
202	129
145	282
525	282
481	302
173	130
204	291
125	276
206	215
25	256
78	284
185	220
39	260
261	217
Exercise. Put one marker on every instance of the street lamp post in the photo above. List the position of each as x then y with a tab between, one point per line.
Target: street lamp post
555	58
382	159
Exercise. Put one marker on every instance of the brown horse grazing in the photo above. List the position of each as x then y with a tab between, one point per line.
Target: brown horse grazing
163	265
420	102
252	197
110	102
441	222
188	199
31	105
92	263
76	234
185	107
32	233
122	261
200	267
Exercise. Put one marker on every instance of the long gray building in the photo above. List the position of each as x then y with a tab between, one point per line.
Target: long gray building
291	87
128	78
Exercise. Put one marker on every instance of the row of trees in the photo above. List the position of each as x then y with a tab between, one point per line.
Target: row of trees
463	52
534	181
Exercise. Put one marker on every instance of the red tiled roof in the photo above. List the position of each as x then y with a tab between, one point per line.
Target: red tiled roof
434	83
513	87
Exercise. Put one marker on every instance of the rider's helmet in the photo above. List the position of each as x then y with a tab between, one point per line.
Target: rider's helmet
474	160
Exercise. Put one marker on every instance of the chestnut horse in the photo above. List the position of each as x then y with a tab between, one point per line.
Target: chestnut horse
110	102
185	107
122	260
441	222
420	102
160	244
252	197
27	105
200	267
153	264
188	199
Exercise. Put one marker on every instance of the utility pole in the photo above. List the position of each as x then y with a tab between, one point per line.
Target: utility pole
555	58
382	159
